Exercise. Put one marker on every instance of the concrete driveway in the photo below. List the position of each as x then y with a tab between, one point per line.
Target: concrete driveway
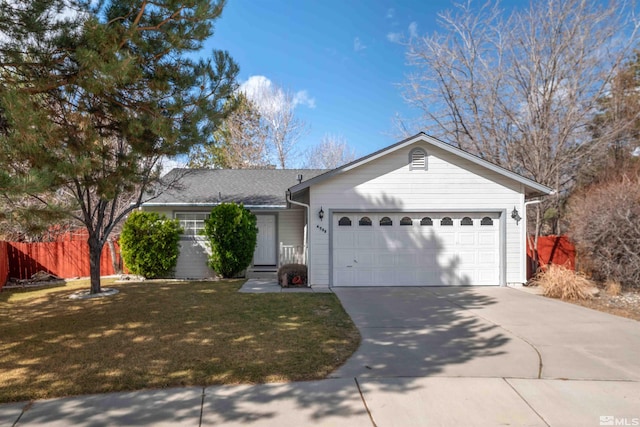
485	332
490	356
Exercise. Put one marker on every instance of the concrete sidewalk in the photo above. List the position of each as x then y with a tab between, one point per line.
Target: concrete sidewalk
349	402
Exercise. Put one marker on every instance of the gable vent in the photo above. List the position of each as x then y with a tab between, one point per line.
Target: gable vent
418	159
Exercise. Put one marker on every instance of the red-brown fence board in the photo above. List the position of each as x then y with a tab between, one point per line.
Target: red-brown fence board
4	264
66	259
552	250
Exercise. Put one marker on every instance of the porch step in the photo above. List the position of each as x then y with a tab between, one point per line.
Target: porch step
265	273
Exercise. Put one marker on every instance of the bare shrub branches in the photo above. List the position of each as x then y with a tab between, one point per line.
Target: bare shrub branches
605	225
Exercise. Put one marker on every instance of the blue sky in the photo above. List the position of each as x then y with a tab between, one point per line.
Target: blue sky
340	52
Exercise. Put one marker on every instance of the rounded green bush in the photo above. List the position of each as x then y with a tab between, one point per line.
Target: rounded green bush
149	244
232	233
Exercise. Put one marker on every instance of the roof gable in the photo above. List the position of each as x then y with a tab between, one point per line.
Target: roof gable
532	188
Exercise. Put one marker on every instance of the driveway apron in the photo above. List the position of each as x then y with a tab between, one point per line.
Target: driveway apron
485	332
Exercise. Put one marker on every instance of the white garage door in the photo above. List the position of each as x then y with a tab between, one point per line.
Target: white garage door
419	249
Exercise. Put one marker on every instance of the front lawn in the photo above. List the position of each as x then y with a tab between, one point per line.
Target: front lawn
166	334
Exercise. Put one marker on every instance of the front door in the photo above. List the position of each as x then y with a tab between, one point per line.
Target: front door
265	252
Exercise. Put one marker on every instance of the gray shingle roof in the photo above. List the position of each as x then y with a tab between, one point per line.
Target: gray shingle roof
252	187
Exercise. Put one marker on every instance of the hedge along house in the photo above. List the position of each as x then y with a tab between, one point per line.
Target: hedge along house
417	213
281	227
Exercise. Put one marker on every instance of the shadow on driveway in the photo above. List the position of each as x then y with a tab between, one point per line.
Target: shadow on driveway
419	332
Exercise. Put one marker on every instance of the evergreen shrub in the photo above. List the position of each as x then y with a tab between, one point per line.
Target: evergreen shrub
232	233
149	244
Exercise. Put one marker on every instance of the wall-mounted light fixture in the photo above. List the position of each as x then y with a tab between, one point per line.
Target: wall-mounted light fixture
515	215
320	213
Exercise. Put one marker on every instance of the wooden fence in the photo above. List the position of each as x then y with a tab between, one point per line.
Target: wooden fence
4	264
552	250
66	259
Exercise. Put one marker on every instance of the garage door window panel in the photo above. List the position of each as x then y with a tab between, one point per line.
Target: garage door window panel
446	222
365	221
426	221
344	222
385	221
486	221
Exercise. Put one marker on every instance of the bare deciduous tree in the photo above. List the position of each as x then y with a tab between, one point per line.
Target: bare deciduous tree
277	111
619	119
239	143
522	90
333	151
246	145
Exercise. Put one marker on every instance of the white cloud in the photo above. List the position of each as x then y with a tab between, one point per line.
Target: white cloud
394	37
302	97
413	29
270	98
391	12
255	86
358	45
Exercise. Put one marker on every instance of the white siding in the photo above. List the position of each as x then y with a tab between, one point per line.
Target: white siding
450	183
291	226
193	258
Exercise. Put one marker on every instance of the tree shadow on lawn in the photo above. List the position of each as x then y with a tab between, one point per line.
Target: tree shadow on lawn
167	335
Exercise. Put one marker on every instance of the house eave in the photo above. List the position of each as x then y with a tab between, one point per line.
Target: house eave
208	205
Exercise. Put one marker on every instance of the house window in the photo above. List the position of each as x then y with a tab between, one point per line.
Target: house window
385	221
446	221
192	223
365	221
466	221
486	221
344	222
406	221
426	221
418	159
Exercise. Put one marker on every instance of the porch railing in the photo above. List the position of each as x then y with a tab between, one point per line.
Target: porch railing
292	254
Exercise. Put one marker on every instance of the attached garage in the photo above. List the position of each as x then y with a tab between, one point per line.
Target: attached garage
417	213
416	248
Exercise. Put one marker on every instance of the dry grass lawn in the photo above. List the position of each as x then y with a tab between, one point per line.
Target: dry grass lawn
165	334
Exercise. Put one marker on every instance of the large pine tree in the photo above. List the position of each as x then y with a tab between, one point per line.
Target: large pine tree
93	94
